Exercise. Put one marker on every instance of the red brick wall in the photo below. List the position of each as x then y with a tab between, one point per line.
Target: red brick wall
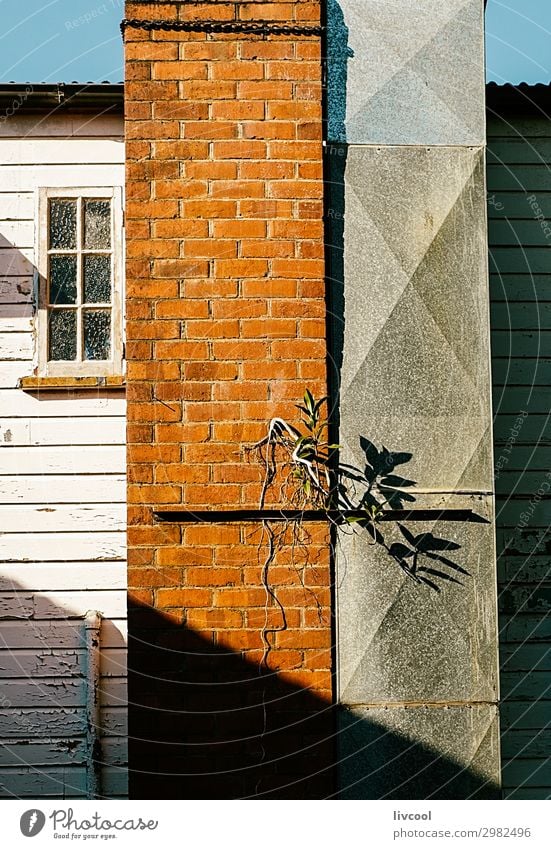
225	330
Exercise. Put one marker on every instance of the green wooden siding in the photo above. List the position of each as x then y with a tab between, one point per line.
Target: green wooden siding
519	166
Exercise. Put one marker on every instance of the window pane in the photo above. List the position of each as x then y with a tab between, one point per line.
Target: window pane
97	279
97	224
63	279
62	335
97	335
63	224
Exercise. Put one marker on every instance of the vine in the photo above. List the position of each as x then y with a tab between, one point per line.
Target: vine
305	467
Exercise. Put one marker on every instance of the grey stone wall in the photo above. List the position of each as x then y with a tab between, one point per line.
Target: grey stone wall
417	668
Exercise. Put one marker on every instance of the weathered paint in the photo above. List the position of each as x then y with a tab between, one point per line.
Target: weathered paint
62	506
519	153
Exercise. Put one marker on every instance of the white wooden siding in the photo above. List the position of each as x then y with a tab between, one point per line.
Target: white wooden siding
62	508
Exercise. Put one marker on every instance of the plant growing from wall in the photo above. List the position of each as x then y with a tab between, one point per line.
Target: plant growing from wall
301	467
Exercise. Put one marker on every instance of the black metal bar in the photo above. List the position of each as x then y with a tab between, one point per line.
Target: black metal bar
337	516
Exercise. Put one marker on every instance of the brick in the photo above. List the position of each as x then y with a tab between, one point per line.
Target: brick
211	170
276	328
210	209
303	70
179	189
180	70
181	150
180	111
238	110
209	50
239	229
210	248
208	90
185	597
240	268
181	268
268	50
263	90
179	308
269	130
239	149
240	70
266	248
215	329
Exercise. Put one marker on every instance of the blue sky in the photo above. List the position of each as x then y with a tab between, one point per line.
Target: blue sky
64	40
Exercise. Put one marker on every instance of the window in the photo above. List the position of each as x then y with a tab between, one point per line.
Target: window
79	321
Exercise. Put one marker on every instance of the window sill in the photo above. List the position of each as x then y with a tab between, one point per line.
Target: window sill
45	384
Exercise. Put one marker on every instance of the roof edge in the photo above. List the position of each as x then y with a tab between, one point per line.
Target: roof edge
53	97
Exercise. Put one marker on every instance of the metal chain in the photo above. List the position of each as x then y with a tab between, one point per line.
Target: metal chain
223	26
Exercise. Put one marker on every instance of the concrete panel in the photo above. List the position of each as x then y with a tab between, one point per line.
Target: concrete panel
407	72
404	642
452	753
411	321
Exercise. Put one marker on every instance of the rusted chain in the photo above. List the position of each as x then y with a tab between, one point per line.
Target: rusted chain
249	27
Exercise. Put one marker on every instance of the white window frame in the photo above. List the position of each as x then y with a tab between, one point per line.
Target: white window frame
87	368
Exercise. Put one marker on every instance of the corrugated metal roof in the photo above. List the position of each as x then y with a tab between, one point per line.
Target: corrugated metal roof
524	98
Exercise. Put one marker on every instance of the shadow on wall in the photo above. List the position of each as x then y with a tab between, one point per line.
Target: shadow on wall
47	744
16	283
206	724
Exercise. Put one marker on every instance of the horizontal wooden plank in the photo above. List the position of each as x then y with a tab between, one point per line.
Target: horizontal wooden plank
526	568
16	319
29	663
531	772
15	403
17	178
17	205
525	658
58	152
520	628
14	262
514	206
16	290
527	399
520	287
523	540
523	457
61	692
63	460
519	482
45	577
71	751
63	517
522	127
521	316
56	782
525	599
533	685
45	662
63	125
527	714
44	692
520	260
525	430
514	232
532	794
521	371
17	231
16	346
59	722
523	178
59	604
62	489
512	151
58	633
72	429
526	744
30	547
